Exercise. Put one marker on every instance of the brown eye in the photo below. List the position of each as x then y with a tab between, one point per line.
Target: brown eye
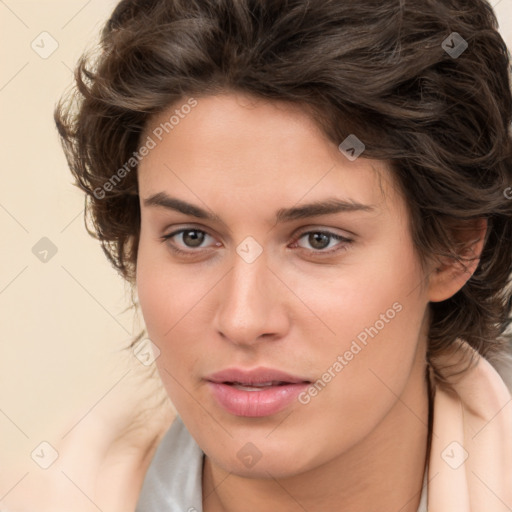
191	238
320	240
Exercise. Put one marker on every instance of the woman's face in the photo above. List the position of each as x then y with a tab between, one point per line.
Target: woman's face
279	342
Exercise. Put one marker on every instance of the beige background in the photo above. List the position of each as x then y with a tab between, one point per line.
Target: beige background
62	367
63	374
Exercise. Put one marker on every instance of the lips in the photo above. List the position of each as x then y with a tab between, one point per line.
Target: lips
258	392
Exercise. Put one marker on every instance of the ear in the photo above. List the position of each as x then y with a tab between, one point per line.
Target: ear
448	275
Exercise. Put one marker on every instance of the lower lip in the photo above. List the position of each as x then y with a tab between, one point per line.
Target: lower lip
256	404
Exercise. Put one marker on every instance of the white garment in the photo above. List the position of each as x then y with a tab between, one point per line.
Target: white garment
173	482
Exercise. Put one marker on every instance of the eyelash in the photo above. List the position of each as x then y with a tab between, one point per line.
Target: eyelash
343	247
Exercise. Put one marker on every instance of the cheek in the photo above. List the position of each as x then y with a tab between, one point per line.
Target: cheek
160	296
167	305
375	313
165	292
378	321
377	297
153	293
172	301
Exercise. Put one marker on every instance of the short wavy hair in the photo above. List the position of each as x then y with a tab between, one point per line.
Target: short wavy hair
425	84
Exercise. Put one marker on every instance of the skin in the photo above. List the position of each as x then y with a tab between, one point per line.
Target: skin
362	440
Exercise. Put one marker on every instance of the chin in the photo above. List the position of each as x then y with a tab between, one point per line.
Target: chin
266	459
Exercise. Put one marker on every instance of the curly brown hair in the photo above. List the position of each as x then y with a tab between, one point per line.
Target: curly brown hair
424	83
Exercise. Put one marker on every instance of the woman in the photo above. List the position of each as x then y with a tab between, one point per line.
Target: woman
310	201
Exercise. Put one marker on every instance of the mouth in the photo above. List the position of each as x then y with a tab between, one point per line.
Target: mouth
256	387
255	393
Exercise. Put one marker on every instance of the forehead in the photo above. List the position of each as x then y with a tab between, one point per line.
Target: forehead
247	148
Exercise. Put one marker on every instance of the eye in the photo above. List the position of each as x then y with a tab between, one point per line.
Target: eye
321	240
192	238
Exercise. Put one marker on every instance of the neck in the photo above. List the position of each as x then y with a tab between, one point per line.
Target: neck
383	472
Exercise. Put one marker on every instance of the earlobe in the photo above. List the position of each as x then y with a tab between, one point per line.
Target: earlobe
449	275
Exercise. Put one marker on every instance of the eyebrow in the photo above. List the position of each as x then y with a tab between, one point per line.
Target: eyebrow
324	207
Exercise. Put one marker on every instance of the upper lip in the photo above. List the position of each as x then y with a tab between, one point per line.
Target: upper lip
254	376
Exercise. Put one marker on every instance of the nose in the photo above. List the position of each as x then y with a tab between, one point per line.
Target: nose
252	304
